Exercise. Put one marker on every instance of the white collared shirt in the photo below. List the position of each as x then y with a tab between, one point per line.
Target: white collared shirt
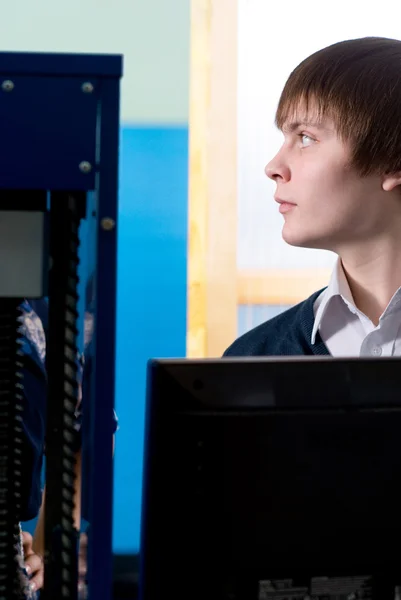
346	331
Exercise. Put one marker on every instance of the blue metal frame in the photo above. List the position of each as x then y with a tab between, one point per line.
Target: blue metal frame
61	64
101	474
58	112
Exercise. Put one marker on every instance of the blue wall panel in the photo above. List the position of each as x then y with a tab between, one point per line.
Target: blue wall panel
151	302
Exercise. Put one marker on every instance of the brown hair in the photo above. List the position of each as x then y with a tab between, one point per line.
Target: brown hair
356	83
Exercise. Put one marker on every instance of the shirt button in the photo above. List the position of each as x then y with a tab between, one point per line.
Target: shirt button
377	351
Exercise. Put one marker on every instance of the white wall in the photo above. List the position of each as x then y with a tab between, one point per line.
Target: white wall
273	39
152	34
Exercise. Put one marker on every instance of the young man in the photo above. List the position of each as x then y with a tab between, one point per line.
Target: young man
338	187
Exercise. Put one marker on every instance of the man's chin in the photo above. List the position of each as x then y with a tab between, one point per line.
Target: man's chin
302	241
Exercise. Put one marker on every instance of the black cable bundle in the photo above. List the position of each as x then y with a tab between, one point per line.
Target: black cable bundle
61	537
11	574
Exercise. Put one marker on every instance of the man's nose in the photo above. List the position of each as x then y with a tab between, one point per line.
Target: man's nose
277	169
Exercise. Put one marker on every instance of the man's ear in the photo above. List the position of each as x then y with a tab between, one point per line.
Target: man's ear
391	181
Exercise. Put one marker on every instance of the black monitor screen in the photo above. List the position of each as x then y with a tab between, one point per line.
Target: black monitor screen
272	478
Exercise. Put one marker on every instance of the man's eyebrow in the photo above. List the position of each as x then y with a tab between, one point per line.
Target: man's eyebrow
295	125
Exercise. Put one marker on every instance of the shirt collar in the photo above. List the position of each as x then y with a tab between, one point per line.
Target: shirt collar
338	286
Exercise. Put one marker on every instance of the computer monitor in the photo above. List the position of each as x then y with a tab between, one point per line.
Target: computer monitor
272	478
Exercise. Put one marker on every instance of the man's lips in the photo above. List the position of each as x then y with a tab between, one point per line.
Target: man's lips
285	205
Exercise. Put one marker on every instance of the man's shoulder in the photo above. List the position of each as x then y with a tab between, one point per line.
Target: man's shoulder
268	338
260	339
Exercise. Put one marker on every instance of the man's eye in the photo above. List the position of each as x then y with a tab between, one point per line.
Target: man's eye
306	140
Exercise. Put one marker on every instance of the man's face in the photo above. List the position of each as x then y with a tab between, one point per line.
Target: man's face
333	207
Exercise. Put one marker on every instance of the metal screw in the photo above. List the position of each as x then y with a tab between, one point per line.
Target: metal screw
107	223
7	85
85	166
87	87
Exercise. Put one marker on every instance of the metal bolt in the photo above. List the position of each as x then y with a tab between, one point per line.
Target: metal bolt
85	166
107	223
87	87
7	85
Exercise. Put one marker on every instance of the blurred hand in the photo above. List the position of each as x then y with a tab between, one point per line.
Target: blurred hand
33	563
82	566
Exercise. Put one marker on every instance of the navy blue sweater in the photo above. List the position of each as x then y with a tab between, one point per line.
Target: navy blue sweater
288	334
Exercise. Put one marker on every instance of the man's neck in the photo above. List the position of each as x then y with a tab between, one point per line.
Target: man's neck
374	278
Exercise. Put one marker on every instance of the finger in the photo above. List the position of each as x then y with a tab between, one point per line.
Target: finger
82	567
27	540
33	563
82	573
36	583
